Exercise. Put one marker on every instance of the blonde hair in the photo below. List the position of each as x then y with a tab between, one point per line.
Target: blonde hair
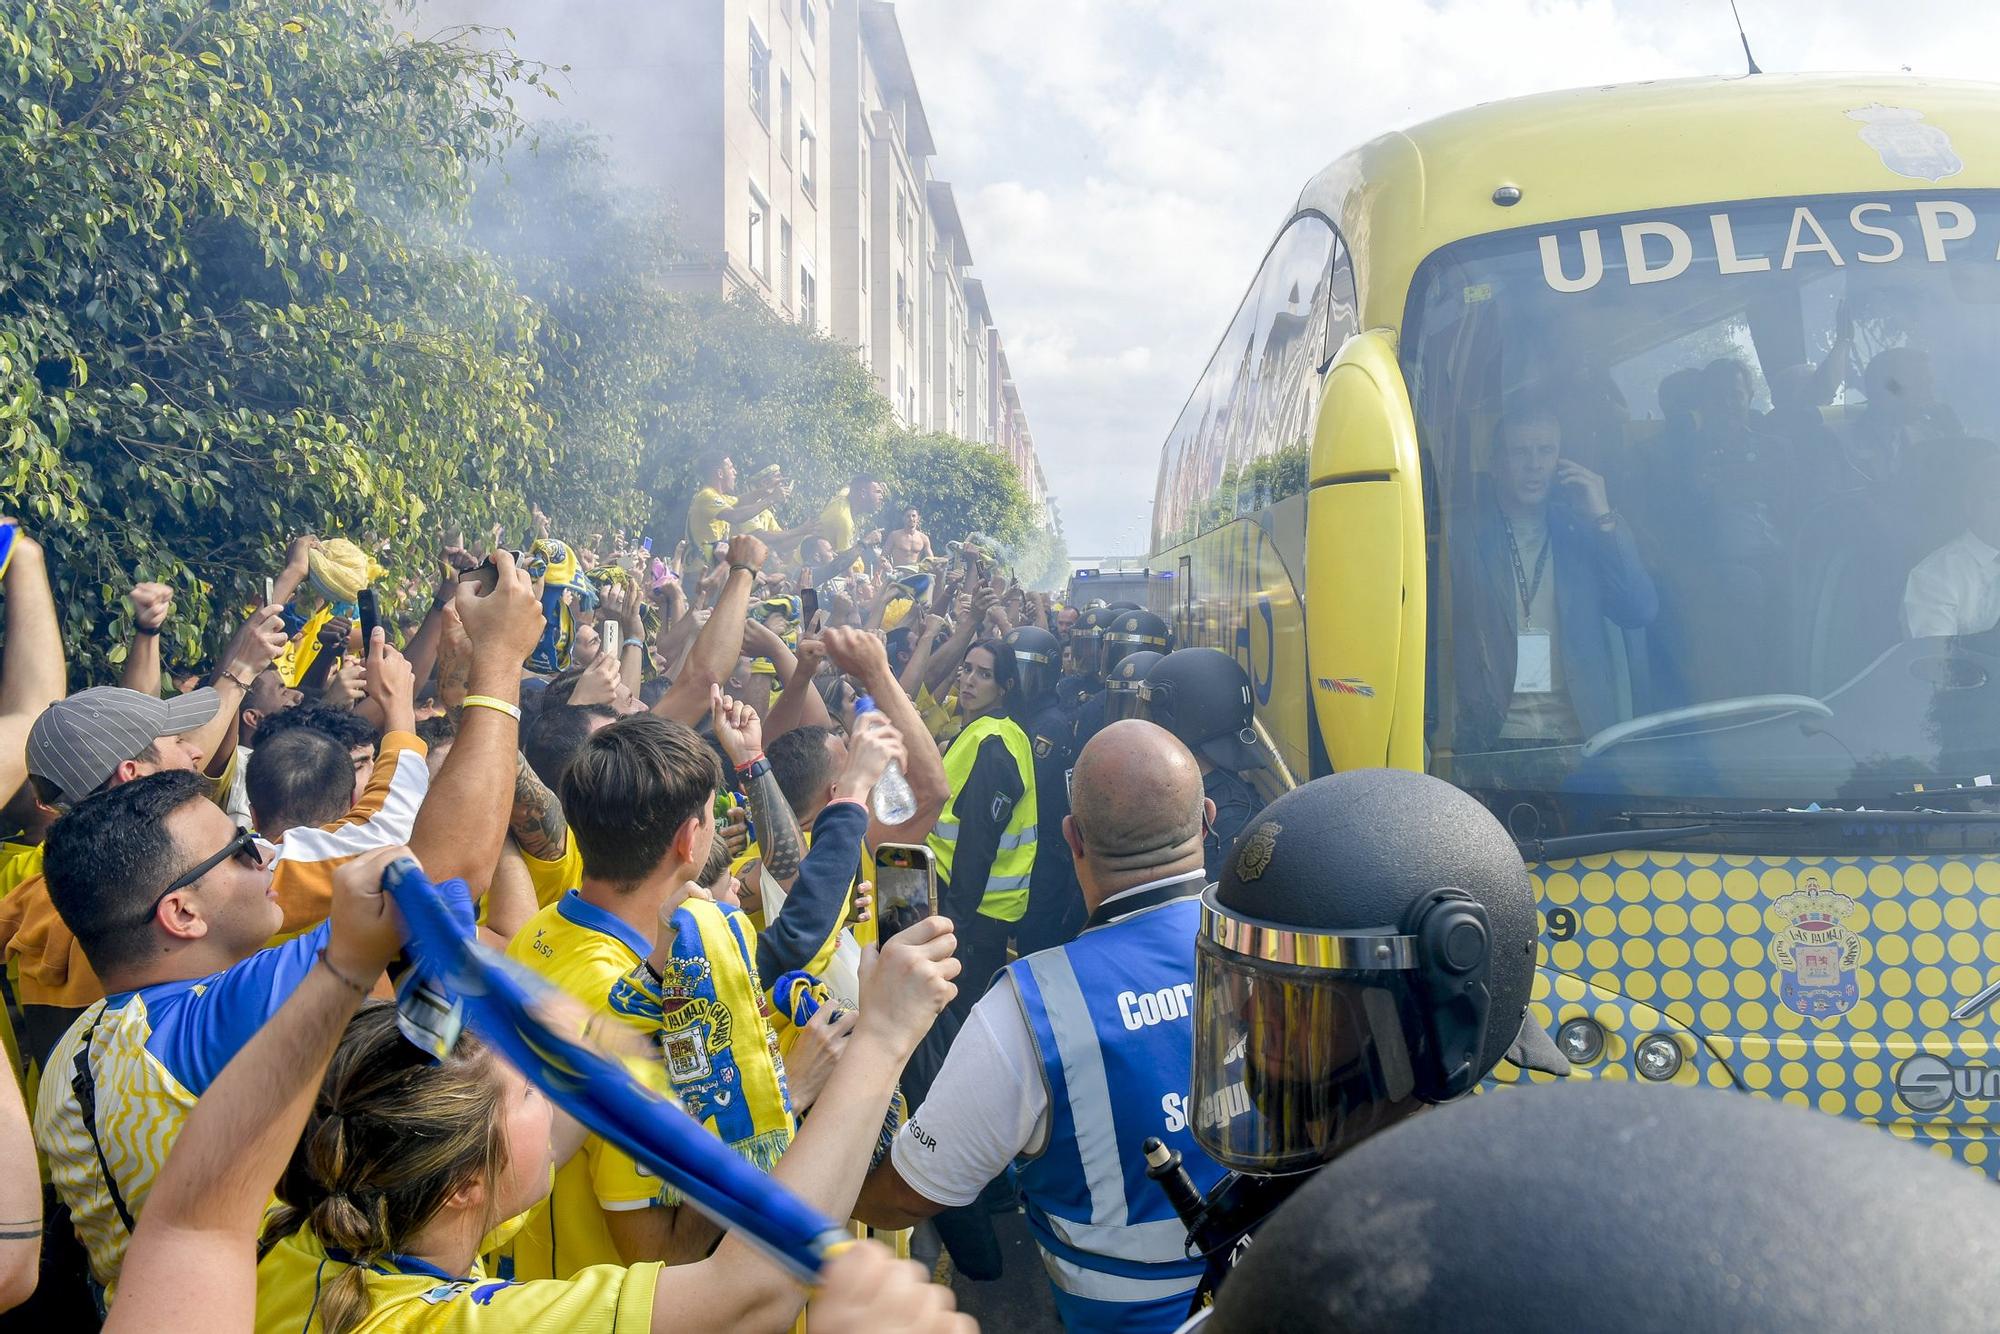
391	1136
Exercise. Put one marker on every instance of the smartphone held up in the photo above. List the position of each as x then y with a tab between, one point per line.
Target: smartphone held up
905	887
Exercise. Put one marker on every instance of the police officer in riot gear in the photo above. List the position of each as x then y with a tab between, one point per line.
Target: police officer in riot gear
1202	696
1367	953
1086	660
1127	632
1055	900
1123	685
1607	1206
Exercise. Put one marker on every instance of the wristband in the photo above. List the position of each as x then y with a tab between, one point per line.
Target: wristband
1607	521
734	566
757	768
340	977
238	681
635	643
146	630
497	705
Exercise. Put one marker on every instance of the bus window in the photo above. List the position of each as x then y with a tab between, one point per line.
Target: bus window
1241	442
1735	461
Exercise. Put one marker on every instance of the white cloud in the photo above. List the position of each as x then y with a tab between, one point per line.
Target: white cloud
1122	164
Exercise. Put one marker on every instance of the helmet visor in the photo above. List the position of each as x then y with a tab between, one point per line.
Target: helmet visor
1123	701
1293	1064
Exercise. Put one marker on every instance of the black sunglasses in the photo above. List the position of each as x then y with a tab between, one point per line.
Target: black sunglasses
244	843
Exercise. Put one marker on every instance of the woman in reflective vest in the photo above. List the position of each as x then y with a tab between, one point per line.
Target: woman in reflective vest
984	840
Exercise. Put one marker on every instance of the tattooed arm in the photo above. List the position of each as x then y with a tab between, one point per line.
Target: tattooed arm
741	733
537	822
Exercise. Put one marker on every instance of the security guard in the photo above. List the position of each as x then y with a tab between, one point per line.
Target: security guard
984	840
1405	923
1606	1206
1082	1053
1202	696
1055	902
1126	633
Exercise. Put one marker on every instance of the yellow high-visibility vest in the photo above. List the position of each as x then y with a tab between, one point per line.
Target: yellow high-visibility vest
1006	896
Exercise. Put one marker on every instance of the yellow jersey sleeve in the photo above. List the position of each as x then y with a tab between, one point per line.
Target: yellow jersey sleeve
553	879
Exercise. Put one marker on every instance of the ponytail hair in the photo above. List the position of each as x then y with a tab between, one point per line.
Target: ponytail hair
391	1136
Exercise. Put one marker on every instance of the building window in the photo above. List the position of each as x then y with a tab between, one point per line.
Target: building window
864	169
902	305
760	76
808	297
759	235
784	116
808	29
864	261
785	257
902	217
808	157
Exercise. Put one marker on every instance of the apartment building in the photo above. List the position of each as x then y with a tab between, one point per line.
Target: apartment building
790	139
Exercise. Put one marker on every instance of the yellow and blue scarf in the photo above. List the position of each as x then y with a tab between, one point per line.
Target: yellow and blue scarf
715	1034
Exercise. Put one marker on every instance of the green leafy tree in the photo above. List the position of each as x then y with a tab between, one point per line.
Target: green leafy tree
234	301
742	378
960	486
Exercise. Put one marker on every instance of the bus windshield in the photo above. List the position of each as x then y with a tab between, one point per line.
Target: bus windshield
1714	507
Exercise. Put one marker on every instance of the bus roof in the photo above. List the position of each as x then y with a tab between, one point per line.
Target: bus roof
1589	152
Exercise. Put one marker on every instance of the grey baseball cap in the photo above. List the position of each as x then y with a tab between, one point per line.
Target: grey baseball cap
78	741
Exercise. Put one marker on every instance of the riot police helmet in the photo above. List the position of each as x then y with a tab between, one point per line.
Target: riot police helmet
1037	661
1123	684
1203	696
1086	642
1135	631
1368	950
1613	1206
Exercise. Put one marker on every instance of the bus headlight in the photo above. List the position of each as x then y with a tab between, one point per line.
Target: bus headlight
1657	1057
1581	1040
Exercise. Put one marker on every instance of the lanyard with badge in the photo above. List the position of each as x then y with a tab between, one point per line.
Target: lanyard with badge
1534	656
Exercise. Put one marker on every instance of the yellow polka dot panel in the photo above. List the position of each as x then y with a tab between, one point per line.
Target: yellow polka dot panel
1864	986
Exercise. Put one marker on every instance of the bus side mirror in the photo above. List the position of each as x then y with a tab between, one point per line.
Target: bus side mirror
1365	600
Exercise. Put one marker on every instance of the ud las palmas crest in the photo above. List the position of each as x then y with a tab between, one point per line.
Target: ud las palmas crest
1905	144
1815	953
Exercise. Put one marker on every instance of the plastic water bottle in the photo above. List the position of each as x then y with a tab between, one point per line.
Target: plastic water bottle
892	801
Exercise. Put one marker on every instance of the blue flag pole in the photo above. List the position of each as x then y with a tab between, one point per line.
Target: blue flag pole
500	1000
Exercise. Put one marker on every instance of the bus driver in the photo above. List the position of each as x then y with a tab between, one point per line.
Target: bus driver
1533	583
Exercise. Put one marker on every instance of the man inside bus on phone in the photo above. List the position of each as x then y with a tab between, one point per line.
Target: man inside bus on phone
1541	570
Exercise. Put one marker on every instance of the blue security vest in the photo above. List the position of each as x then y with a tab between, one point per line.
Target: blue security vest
1111	1014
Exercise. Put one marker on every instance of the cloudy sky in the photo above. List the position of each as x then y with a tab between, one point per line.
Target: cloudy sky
1121	165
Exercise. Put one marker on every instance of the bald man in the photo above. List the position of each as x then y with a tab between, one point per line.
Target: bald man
1079	1054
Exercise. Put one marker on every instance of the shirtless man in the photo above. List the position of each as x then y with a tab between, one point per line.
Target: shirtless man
909	544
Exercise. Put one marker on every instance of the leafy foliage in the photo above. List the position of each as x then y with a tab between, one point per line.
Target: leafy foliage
244	294
231	306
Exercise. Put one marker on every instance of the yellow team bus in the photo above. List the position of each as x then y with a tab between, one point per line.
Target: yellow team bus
1626	457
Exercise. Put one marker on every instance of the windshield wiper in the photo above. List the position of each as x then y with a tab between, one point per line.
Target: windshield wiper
1709	822
1616	840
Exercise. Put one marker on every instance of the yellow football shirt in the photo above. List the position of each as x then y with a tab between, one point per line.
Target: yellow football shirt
705	521
407	1296
836	523
585	952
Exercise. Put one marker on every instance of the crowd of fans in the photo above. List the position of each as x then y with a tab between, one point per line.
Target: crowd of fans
646	771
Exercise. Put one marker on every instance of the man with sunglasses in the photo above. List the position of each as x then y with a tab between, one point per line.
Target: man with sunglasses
172	906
